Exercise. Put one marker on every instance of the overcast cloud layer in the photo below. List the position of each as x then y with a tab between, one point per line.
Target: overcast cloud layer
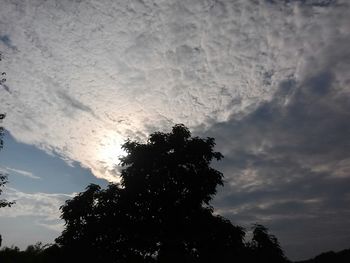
81	73
269	79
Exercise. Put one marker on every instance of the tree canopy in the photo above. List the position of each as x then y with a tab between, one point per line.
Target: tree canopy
160	211
265	246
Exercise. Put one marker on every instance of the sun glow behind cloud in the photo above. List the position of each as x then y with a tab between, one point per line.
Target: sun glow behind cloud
110	148
76	69
109	152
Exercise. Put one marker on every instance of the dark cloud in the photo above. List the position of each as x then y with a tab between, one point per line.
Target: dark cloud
5	39
287	165
72	103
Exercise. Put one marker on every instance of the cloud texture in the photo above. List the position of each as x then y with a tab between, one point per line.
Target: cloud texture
84	72
269	79
288	165
33	218
288	160
43	206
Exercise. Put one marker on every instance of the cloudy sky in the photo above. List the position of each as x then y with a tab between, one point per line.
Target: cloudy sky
269	79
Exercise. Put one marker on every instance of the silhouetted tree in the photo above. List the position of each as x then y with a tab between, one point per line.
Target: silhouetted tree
10	254
3	181
265	247
3	202
37	253
159	213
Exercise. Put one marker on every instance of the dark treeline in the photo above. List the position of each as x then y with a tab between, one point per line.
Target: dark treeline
51	253
262	248
330	257
32	254
160	212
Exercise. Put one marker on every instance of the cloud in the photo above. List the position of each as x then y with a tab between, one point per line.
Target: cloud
314	3
83	72
309	215
42	206
268	79
35	217
7	41
22	172
287	161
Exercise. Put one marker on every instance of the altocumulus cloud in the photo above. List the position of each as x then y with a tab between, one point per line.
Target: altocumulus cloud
85	75
288	160
269	79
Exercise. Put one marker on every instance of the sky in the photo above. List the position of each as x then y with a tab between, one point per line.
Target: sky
268	79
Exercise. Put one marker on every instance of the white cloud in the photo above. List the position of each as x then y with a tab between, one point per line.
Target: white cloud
23	173
43	206
86	74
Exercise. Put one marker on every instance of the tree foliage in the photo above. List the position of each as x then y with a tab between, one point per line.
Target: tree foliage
265	246
37	253
3	178
3	181
160	212
3	202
